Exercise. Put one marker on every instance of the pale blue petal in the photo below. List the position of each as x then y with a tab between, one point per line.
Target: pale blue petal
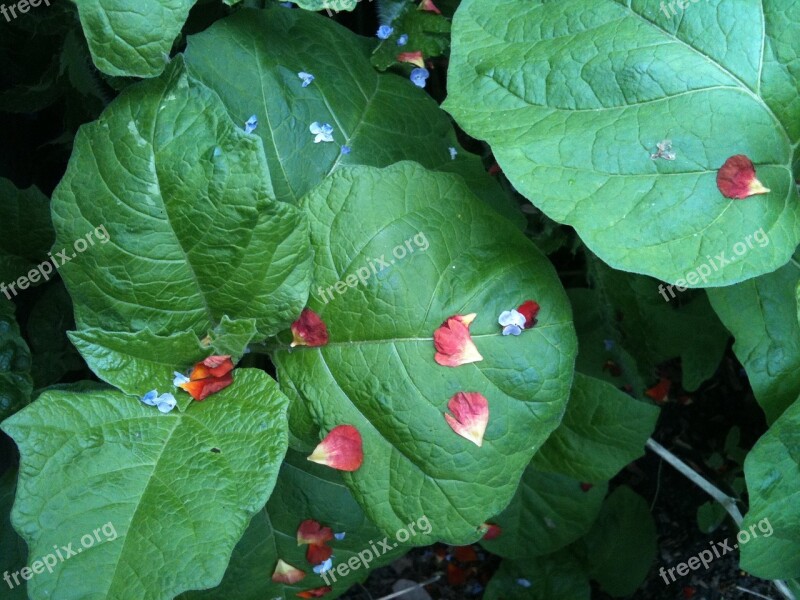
150	398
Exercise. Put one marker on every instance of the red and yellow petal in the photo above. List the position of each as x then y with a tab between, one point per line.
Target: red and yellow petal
309	330
660	391
315	593
415	58
200	389
737	178
318	553
470	416
453	343
217	366
492	531
529	309
341	449
286	573
429	6
312	532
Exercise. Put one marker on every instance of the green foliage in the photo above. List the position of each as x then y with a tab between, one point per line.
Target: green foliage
15	363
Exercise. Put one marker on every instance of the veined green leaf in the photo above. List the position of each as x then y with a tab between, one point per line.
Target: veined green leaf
16	384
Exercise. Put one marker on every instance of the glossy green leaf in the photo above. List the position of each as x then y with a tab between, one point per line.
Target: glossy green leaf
574	96
185	235
762	316
132	38
772	471
378	373
602	430
548	512
13	551
164	489
383	118
15	363
303	491
555	577
332	6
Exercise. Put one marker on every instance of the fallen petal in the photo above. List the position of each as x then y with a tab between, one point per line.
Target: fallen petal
315	593
492	531
286	573
737	178
530	310
453	343
323	567
312	532
318	553
429	6
341	449
218	365
470	416
309	330
415	58
201	389
660	391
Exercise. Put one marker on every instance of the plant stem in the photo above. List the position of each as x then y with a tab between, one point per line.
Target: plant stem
411	589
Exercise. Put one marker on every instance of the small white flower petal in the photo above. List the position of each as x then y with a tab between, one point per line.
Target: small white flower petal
166	402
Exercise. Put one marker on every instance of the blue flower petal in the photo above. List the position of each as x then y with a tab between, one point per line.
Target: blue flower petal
251	124
419	76
166	402
453	152
384	31
345	149
150	398
402	40
306	77
339	536
179	379
512	330
324	566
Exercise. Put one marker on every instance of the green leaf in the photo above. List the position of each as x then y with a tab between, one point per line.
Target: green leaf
710	515
13	551
103	460
555	577
548	512
602	430
621	547
573	97
772	471
427	32
16	385
132	38
303	491
383	118
378	372
762	316
327	5
27	235
190	231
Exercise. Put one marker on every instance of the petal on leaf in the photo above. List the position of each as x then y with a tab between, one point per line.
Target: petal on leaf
286	573
453	343
341	449
737	178
309	330
470	416
312	532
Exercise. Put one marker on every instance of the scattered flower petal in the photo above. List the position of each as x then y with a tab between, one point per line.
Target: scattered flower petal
207	377
251	124
465	554
150	397
470	416
453	152
453	343
346	149
323	567
419	77
341	449
402	40
384	31
286	573
309	330
318	553
166	402
429	6
322	131
492	531
512	321
660	391
523	582
201	389
315	593
415	58
586	486
737	178
179	379
215	366
340	536
306	77
530	310
312	532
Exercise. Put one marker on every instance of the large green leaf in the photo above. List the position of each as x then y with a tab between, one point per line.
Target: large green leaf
603	430
13	551
172	493
378	371
178	204
132	38
27	235
772	471
574	95
303	491
16	384
548	512
556	577
383	118
762	316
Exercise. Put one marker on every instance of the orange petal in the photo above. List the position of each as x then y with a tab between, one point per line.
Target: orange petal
218	365
660	391
312	532
318	553
465	554
315	593
341	449
492	531
471	416
453	343
737	178
200	389
309	330
286	573
429	6
415	58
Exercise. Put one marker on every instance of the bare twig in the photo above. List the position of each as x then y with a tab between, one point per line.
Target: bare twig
412	588
752	593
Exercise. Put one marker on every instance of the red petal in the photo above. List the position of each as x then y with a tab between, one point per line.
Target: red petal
315	593
660	392
286	573
429	6
415	58
586	486
309	330
453	343
471	416
465	554
529	309
456	575
318	553
492	531
217	365
737	178
200	389
341	449
312	532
